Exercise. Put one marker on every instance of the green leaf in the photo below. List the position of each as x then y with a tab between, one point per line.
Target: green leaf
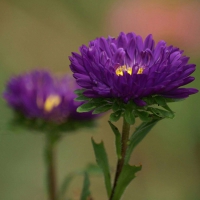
85	191
93	169
117	139
102	161
102	109
138	136
86	107
65	185
129	116
115	116
161	113
126	176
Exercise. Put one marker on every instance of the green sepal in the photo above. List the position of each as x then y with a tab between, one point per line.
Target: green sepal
169	100
102	109
102	101
126	176
85	194
160	100
79	91
117	139
129	116
117	105
163	102
102	161
86	107
166	107
114	117
161	113
99	104
138	136
143	115
82	98
149	100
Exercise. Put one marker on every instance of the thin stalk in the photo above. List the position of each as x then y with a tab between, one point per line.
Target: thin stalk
50	167
120	163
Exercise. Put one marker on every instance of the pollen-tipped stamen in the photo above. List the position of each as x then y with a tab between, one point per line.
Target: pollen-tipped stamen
140	70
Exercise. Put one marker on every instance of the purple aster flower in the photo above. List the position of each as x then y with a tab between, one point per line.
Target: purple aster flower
130	68
39	95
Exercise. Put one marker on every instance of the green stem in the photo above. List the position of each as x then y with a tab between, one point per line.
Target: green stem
50	167
120	163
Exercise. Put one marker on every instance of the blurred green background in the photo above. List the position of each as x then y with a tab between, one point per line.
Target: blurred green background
42	34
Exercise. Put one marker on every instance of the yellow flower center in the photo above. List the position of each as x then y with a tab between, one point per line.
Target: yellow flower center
121	69
51	102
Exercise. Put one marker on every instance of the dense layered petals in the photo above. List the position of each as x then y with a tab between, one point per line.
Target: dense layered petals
39	95
128	67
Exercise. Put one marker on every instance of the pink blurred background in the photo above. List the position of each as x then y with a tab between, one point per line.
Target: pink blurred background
174	21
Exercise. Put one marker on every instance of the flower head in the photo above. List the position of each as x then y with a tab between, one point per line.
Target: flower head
129	68
39	95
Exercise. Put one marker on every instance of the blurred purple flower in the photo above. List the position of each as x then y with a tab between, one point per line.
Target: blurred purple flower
127	67
39	95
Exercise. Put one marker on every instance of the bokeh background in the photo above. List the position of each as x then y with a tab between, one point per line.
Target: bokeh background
42	34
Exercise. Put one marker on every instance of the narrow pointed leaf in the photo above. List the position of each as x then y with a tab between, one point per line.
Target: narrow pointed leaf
93	169
85	191
138	136
65	185
126	176
117	139
102	161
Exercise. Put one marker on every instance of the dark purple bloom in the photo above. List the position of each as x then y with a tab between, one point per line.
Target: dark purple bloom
39	95
127	67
